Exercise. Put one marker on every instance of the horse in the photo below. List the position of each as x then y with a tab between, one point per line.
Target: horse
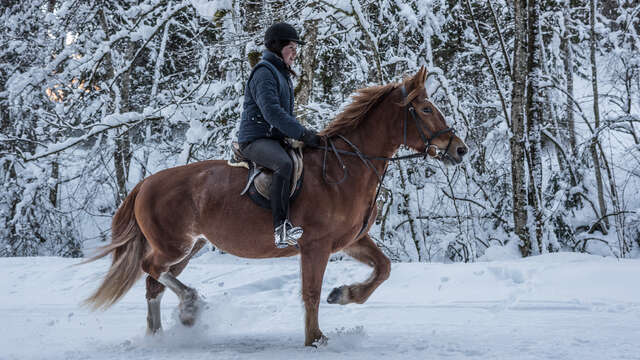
169	216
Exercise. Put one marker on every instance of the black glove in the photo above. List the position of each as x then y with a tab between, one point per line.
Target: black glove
311	138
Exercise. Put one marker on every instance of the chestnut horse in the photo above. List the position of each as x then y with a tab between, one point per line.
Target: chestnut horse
168	216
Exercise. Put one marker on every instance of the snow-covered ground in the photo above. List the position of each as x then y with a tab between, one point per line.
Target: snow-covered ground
555	306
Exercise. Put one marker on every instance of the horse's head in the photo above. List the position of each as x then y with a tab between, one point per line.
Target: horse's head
424	128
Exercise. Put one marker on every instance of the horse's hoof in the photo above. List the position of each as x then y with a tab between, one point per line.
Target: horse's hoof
153	332
189	308
322	341
339	295
187	320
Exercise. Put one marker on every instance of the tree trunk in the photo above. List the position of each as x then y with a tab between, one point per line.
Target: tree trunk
121	140
253	10
305	83
122	155
516	142
568	71
630	72
12	177
503	47
618	211
406	203
596	112
384	208
53	190
485	53
253	14
535	106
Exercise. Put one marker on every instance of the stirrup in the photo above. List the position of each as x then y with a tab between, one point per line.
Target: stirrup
287	235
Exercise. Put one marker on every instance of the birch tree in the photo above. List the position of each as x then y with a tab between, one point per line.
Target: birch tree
516	141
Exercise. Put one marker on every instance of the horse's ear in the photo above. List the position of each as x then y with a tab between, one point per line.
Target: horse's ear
420	77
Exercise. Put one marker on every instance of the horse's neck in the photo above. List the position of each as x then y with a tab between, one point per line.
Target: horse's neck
375	137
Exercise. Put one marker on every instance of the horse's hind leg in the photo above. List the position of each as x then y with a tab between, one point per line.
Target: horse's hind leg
188	302
154	296
365	251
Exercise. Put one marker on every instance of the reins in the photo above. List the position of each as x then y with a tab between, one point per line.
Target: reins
356	152
368	160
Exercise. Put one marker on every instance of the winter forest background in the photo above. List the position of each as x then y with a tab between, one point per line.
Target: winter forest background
97	95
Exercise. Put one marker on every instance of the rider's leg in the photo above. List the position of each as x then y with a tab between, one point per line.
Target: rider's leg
280	186
285	233
270	154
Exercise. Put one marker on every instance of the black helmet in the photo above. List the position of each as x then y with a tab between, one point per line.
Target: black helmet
281	31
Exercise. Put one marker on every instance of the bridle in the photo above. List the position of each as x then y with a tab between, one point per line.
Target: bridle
368	160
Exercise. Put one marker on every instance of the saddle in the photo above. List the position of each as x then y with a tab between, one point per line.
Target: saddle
258	186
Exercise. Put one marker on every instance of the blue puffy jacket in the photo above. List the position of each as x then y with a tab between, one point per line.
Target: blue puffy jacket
268	102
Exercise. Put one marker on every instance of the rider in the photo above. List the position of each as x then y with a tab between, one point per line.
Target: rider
268	118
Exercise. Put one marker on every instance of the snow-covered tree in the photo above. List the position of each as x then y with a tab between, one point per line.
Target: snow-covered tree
95	96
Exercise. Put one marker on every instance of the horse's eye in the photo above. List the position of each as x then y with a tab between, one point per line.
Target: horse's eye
427	110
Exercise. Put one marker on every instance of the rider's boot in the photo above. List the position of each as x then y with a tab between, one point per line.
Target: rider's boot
287	235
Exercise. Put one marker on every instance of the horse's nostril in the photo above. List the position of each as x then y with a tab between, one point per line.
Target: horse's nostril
462	150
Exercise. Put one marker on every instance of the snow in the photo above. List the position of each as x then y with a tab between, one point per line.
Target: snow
560	306
506	252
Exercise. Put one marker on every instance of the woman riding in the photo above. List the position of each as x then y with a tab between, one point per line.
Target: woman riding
268	118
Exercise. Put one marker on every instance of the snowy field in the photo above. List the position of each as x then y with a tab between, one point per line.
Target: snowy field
557	306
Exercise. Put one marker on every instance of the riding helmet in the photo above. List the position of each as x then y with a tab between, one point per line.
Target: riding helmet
279	32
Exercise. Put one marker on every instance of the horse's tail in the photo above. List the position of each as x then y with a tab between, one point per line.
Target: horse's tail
129	247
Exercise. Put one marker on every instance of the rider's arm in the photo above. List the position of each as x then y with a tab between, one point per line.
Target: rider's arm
264	89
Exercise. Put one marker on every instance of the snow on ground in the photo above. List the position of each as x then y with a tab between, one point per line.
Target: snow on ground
556	306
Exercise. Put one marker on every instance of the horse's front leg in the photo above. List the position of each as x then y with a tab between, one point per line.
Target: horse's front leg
365	251
313	262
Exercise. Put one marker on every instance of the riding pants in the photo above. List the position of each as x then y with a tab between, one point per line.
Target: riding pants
270	154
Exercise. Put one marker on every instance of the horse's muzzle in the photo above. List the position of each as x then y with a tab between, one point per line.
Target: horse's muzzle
455	154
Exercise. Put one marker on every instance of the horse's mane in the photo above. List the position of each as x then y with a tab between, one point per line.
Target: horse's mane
363	101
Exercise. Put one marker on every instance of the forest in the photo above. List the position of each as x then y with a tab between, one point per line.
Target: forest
97	95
